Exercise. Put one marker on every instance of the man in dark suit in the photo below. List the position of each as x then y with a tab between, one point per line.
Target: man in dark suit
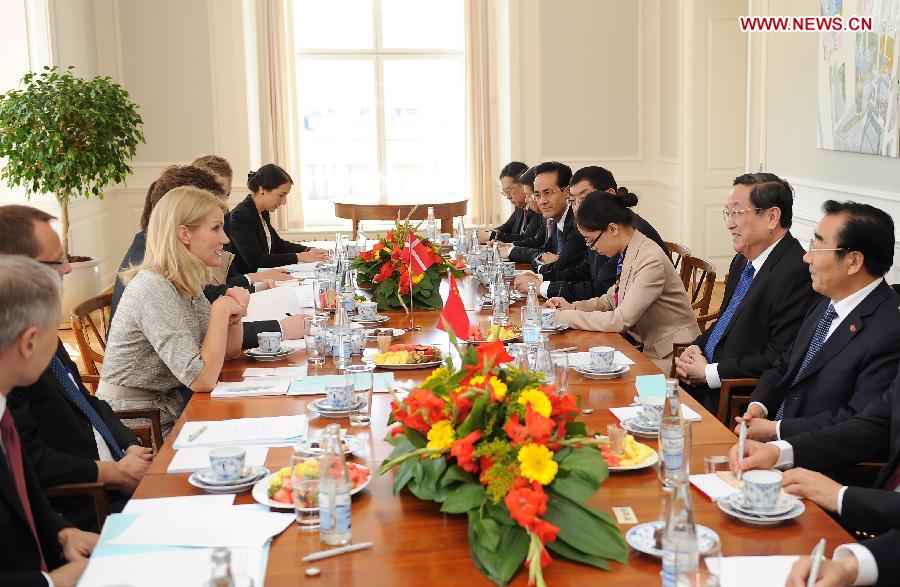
766	296
594	274
847	350
564	246
35	542
68	435
512	188
871	562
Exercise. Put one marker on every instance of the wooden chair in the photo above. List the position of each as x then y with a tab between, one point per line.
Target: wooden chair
699	278
730	398
678	252
90	323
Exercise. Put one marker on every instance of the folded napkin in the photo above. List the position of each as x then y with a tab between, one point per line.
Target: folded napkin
650	385
584	359
713	486
632	411
315	384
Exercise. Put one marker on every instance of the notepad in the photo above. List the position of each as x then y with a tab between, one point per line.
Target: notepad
271	431
183	566
753	571
188	460
253	387
315	384
292	372
204	527
143	506
650	385
713	486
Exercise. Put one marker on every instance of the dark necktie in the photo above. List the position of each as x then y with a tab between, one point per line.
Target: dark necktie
618	277
14	457
559	240
722	323
815	344
894	481
524	221
62	374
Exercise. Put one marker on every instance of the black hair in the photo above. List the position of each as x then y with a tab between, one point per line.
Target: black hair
599	209
268	177
563	172
527	178
769	191
513	170
600	178
867	230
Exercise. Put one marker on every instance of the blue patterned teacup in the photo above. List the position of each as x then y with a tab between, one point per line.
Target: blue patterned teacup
762	490
227	462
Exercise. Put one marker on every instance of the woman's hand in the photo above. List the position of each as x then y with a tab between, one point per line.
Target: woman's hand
312	256
273	274
264	285
559	304
230	307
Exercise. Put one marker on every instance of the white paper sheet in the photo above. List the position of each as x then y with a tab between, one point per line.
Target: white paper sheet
273	304
753	571
632	411
292	372
189	566
253	387
295	268
188	460
584	359
713	486
204	527
271	431
140	506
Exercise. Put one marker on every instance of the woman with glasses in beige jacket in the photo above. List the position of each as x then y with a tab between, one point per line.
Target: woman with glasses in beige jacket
648	301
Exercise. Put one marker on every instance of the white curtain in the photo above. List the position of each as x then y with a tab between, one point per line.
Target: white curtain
478	102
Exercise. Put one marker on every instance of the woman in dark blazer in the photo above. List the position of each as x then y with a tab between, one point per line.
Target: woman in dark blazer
254	241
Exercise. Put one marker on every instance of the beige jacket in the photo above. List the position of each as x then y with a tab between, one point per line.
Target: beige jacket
653	306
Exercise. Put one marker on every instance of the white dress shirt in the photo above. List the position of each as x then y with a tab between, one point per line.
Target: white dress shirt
713	381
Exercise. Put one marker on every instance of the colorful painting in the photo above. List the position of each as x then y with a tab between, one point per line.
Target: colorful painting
859	83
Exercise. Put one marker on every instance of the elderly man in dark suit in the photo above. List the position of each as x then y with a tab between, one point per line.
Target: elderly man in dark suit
520	224
35	542
766	296
847	350
68	435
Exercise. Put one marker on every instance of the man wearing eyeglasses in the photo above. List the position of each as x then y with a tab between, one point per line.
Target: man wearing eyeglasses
517	186
564	245
847	350
767	293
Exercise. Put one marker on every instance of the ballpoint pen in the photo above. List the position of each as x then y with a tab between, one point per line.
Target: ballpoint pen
742	438
336	551
817	555
196	434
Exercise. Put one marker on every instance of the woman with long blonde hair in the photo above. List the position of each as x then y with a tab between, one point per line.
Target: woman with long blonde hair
167	339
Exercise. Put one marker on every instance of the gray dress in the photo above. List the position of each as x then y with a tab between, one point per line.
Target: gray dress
153	348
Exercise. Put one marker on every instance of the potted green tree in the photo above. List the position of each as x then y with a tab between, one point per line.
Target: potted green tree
68	136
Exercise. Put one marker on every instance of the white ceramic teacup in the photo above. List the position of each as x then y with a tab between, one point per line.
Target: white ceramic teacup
269	342
227	462
652	409
602	358
548	317
761	489
339	394
367	310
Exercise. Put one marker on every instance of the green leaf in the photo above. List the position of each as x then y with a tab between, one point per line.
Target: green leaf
594	532
570	552
403	475
486	529
455	474
425	483
576	429
475	420
500	566
464	498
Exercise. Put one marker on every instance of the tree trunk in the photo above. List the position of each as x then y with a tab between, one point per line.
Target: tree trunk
64	224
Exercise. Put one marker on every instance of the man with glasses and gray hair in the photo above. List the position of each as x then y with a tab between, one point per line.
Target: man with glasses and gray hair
36	542
767	292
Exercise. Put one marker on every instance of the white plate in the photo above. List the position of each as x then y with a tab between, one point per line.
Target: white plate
318	407
648	462
633	427
623	369
208	477
784	505
640	538
756	520
311	446
227	488
282	352
261	495
557	328
427	365
379	318
395	332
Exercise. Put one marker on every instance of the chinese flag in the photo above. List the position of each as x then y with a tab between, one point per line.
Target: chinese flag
454	313
416	255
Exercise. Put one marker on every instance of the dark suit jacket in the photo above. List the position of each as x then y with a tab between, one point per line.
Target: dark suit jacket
595	274
534	223
20	561
526	249
871	435
248	240
854	366
572	250
885	548
769	315
58	440
135	256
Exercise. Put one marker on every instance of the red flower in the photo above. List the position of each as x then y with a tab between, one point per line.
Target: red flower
367	255
492	353
537	428
420	410
545	531
387	270
395	431
486	462
463	448
462	404
545	559
526	502
564	407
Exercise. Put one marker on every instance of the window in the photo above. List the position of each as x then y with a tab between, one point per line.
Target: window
380	102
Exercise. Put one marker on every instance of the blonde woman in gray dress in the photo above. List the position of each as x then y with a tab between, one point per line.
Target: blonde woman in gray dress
166	340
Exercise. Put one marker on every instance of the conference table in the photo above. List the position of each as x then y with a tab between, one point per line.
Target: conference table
415	544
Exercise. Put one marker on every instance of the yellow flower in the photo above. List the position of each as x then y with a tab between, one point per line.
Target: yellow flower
417	278
498	388
438	373
538	401
536	463
441	436
476	381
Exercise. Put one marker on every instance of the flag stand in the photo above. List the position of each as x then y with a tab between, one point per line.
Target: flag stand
412	311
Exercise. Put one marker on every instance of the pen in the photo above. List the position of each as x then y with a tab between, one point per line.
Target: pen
817	555
196	434
336	551
742	438
564	350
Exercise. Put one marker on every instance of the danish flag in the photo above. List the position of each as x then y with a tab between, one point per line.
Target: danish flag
416	255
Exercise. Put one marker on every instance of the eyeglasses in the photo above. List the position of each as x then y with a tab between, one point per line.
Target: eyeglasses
814	249
545	194
729	214
60	262
508	190
590	244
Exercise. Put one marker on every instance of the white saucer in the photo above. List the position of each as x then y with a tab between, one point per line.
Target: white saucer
756	520
784	505
209	477
636	425
379	318
617	372
237	488
281	352
641	539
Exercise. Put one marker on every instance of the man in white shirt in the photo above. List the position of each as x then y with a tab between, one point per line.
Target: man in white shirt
35	541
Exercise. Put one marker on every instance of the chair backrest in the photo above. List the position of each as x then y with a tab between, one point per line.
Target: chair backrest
699	278
90	323
678	252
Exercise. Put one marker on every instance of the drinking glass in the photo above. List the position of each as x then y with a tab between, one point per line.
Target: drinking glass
361	405
561	371
324	295
305	489
315	334
709	570
543	363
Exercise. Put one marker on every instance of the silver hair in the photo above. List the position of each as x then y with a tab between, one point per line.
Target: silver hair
29	296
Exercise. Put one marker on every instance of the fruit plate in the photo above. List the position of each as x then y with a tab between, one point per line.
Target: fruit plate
372	333
351	444
261	495
647	462
641	538
405	366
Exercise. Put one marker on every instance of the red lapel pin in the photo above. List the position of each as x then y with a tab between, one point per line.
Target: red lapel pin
853	328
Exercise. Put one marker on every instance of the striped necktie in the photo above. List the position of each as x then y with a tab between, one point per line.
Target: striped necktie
721	324
815	344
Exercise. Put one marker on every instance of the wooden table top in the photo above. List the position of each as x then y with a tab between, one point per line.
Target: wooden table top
415	544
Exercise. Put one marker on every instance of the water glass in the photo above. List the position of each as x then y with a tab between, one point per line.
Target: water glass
543	363
716	463
708	572
315	334
561	371
305	489
324	295
361	405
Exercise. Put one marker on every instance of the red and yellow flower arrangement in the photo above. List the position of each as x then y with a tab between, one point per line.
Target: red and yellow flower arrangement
385	269
500	446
